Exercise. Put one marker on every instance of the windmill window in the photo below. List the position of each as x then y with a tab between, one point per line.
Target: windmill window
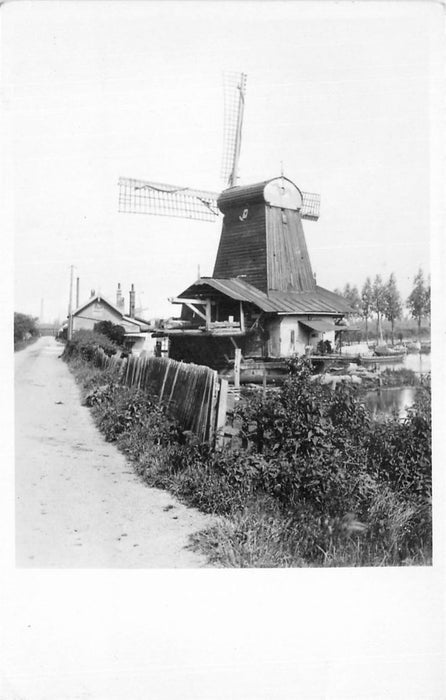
292	337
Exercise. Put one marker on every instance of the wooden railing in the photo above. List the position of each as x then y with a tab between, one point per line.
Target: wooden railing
193	395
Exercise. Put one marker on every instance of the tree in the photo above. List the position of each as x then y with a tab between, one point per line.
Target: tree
427	308
24	325
378	303
351	294
418	301
111	330
366	303
392	303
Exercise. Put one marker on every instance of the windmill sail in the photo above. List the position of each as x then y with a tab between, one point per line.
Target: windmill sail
311	204
234	86
143	197
160	199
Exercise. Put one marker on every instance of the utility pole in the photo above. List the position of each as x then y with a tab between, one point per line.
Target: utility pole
70	306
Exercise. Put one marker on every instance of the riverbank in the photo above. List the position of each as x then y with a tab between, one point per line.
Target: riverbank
315	481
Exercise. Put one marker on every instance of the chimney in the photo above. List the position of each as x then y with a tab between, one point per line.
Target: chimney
119	298
92	293
132	302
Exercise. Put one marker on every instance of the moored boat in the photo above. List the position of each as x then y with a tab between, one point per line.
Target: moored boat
386	351
381	359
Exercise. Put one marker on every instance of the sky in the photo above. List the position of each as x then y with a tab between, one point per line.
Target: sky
345	95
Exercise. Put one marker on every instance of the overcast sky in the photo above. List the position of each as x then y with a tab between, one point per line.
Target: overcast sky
343	94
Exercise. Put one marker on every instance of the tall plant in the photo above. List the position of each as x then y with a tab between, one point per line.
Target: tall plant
392	303
378	303
366	304
351	294
418	301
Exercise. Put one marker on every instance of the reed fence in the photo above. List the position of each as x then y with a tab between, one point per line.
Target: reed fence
193	395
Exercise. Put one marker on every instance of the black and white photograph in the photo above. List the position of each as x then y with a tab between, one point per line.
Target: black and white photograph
225	222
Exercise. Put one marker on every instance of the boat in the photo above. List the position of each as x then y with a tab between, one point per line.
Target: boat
385	351
393	358
413	347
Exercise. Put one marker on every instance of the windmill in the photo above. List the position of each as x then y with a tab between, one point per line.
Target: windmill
161	199
262	291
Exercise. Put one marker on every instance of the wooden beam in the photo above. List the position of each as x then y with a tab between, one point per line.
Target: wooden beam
237	363
196	311
242	317
208	313
179	300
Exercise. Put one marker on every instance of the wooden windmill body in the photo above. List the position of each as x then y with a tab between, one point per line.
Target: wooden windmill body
262	297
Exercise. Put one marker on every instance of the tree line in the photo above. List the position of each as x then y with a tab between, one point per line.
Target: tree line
383	300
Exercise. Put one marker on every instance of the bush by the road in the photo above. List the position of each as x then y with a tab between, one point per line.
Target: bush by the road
112	330
84	343
25	330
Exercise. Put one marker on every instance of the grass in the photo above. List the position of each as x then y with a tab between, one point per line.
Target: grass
256	526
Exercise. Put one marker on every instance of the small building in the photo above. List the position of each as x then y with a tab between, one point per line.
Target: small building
262	296
98	308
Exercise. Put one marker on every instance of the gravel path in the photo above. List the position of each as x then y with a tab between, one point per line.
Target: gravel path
78	500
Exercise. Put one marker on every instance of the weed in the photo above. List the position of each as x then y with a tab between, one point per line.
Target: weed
317	482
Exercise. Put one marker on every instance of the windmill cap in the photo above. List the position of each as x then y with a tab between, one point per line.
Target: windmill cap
277	192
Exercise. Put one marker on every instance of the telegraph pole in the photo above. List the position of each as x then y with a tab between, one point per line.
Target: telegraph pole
70	306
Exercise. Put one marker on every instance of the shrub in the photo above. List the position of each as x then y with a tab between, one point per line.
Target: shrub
401	451
317	482
113	331
84	343
24	327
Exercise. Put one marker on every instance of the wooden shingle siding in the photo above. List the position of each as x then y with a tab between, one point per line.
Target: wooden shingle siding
242	248
288	267
242	196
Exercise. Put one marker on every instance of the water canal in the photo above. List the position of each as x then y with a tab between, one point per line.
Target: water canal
388	401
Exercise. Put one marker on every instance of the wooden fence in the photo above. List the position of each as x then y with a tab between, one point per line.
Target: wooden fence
193	395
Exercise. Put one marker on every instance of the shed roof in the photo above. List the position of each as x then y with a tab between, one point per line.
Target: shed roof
316	301
320	326
98	297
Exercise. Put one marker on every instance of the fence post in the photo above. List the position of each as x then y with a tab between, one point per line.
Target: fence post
222	407
213	405
237	363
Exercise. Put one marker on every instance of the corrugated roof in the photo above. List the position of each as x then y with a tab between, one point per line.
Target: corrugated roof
316	301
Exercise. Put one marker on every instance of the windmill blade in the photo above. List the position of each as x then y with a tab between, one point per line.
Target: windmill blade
142	197
234	87
311	204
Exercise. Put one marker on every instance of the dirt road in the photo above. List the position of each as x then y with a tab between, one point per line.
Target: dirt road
78	501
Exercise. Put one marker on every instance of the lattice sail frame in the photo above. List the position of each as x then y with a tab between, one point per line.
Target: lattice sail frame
234	90
160	199
311	206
